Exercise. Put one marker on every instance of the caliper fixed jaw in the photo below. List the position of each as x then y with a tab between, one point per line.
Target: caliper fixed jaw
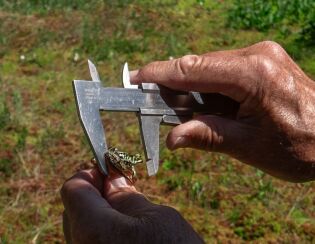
88	108
90	96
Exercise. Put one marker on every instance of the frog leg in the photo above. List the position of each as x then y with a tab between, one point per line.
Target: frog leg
134	173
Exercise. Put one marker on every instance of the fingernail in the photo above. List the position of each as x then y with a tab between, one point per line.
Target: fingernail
180	142
133	76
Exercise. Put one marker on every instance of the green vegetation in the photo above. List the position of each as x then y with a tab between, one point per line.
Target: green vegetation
44	45
288	17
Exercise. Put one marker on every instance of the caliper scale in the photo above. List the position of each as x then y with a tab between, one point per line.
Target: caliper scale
153	104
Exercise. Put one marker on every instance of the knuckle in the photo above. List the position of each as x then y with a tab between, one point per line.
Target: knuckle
71	184
187	63
147	72
205	136
66	188
253	60
265	67
166	212
206	140
213	138
169	211
271	44
273	48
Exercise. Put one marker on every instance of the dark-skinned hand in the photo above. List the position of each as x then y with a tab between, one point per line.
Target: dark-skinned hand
274	129
114	212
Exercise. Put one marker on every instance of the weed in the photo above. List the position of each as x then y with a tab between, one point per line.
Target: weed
174	46
90	37
263	191
50	137
214	203
171	161
111	45
21	139
197	189
5	116
58	107
168	165
256	14
307	33
252	223
174	183
234	216
45	6
5	167
283	15
17	100
117	3
299	217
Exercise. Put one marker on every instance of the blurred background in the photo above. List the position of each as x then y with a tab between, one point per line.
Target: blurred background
45	44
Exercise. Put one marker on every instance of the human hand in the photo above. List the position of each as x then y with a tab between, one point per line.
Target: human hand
274	129
114	212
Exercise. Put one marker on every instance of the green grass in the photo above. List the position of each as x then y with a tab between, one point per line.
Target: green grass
44	45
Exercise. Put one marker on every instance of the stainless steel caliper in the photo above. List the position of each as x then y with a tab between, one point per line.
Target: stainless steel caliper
152	103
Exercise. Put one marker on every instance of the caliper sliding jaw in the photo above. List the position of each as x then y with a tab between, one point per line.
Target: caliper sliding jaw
152	103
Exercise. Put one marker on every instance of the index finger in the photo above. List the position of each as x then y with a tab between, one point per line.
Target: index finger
227	72
82	193
89	218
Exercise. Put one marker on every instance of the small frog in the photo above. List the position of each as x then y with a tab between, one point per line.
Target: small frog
123	162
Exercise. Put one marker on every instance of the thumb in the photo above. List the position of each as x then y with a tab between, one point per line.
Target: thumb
210	133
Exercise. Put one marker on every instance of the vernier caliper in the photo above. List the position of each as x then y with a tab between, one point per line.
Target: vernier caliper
152	103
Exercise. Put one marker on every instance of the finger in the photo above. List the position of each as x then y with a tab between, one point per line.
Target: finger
123	196
228	73
81	194
98	224
151	219
117	185
155	222
211	133
91	218
241	141
93	176
116	182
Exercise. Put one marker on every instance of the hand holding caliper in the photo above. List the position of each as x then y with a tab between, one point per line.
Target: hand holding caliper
152	103
272	129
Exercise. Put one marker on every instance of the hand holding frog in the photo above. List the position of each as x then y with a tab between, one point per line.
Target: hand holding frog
274	129
114	212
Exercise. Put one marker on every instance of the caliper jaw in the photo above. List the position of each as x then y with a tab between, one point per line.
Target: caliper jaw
149	125
150	120
88	107
150	135
150	132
